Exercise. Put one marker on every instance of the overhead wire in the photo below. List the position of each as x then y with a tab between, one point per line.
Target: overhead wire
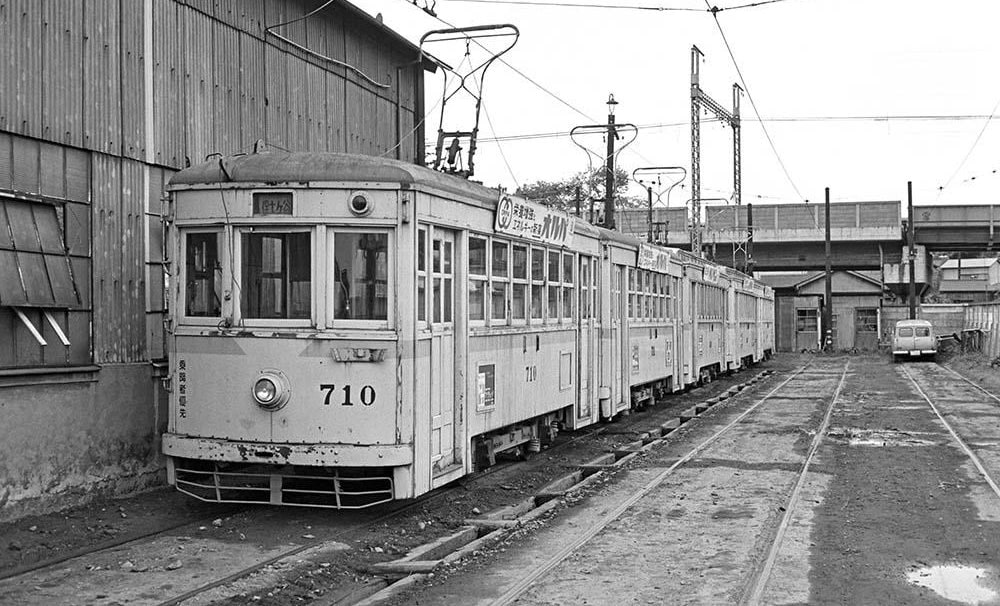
633	7
776	119
269	30
979	137
500	148
525	76
551	3
753	104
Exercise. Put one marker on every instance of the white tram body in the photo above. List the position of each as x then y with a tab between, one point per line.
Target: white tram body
349	330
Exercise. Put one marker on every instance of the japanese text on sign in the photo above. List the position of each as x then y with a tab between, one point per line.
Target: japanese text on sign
653	258
182	394
519	217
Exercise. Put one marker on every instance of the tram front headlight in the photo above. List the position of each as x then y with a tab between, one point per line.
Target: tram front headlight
264	391
271	389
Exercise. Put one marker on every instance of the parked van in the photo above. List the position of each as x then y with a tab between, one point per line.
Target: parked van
912	339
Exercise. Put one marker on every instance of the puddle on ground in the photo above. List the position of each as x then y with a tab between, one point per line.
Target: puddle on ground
964	584
878	438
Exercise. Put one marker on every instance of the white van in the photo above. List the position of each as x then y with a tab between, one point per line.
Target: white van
912	339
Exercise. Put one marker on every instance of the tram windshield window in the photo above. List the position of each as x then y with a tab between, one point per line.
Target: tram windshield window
203	286
276	275
361	275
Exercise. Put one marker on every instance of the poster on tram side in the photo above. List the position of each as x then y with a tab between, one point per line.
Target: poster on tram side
532	221
653	258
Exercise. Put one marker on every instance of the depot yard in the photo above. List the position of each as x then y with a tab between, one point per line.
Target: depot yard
826	479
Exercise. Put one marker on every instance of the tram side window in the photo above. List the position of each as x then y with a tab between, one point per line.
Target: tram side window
567	290
500	264
584	288
537	282
477	278
361	275
553	285
422	275
519	288
276	275
203	275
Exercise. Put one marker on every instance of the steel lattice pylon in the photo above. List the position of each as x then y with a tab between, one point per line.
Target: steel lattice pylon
700	101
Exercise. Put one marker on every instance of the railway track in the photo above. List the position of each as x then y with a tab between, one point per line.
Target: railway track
919	378
519	588
345	534
937	408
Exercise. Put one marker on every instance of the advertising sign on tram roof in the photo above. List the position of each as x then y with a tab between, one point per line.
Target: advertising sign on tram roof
654	258
532	221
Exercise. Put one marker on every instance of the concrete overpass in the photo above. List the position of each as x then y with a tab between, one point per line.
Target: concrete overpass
864	235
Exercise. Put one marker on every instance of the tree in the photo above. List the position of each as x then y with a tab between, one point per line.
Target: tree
562	194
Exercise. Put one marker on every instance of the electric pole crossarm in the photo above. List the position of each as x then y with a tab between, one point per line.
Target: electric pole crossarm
716	108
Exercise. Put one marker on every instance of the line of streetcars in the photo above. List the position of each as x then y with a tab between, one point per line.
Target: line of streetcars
348	330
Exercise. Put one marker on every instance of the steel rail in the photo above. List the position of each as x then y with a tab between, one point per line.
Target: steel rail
19	571
760	583
971	382
350	532
544	568
968	451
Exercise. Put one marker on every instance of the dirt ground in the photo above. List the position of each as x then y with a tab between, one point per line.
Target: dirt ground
311	574
839	527
889	496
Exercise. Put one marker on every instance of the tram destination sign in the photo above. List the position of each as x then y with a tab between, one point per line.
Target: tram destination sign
272	203
653	259
533	221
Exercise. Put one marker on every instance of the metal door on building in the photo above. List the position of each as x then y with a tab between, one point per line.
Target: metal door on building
866	328
806	329
445	422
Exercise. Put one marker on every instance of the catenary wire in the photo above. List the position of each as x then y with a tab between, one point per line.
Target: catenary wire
753	105
583	5
633	7
526	77
986	125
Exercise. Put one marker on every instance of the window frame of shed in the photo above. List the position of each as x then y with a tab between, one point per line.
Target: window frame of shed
50	244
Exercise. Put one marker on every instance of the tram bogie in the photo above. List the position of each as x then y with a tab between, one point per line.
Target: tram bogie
349	330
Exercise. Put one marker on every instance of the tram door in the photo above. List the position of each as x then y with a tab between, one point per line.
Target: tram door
587	372
445	449
619	337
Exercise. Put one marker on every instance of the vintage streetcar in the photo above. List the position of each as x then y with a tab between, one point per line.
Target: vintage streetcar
348	330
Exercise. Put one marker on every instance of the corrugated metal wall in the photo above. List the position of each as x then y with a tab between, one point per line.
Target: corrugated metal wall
119	281
985	317
75	75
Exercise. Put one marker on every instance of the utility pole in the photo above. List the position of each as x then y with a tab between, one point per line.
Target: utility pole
828	303
649	210
700	101
609	176
611	132
748	260
646	177
910	249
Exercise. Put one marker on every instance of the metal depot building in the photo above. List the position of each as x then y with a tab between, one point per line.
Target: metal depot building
103	101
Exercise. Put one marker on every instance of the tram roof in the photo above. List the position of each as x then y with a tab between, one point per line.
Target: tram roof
303	167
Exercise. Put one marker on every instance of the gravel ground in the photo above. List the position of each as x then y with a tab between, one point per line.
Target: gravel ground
338	571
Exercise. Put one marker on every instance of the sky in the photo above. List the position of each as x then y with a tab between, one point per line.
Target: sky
860	96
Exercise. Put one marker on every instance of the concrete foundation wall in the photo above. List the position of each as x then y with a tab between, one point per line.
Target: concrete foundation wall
69	437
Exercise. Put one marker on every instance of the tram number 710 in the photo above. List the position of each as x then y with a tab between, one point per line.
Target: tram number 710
367	394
